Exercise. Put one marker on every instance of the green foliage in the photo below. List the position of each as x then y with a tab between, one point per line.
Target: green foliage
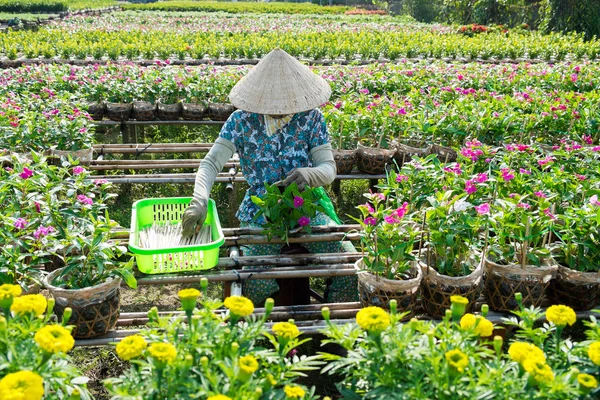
572	15
28	6
239	7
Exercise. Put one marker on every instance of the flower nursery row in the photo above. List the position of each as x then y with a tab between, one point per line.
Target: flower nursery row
241	7
49	43
206	353
50	6
373	104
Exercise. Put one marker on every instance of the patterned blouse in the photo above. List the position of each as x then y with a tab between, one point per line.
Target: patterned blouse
270	159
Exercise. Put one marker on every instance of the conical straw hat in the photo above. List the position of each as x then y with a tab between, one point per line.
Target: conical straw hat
279	84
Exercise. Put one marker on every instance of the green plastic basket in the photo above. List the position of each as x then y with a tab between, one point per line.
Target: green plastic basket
147	212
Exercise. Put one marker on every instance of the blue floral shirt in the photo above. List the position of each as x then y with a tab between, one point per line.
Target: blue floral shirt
270	159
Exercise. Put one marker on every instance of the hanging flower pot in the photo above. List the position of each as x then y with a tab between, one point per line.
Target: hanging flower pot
144	110
119	111
377	291
502	282
95	309
404	153
194	111
444	154
436	288
373	160
97	110
169	112
578	290
220	111
344	160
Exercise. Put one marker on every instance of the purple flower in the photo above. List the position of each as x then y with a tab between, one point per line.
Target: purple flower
470	188
84	199
483	209
524	171
26	174
507	174
370	221
303	221
20	223
481	178
42	231
78	170
298	201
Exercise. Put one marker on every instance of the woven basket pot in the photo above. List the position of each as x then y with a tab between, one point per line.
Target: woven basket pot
501	282
194	111
344	161
578	290
444	154
144	111
97	110
374	290
95	309
436	289
373	161
169	112
404	153
119	111
220	111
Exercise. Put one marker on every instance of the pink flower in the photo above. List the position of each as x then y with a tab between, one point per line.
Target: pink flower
596	148
401	211
99	182
78	170
26	174
42	231
507	174
483	209
303	221
524	206
298	202
20	223
594	200
540	194
85	200
390	219
549	214
401	178
546	160
370	221
454	169
481	178
524	171
369	208
37	207
588	139
364	91
581	177
470	188
573	78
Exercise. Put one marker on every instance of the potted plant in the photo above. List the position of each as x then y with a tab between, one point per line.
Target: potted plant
577	253
89	283
119	103
388	268
452	258
194	108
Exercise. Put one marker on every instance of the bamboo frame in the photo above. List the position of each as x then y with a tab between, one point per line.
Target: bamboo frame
191	177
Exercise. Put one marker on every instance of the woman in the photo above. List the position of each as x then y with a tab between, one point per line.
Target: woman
279	135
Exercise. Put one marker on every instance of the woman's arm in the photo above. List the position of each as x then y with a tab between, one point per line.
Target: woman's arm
322	173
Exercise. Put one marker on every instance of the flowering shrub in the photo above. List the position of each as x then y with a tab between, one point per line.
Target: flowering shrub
459	357
287	211
208	354
33	350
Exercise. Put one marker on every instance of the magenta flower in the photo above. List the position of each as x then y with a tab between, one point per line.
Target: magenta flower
401	178
596	148
37	207
524	206
390	219
507	174
581	177
42	231
454	169
84	199
540	194
99	182
573	78
470	188
20	223
546	160
303	221
594	200
401	211
78	170
481	178
26	174
549	214
369	208
588	139
483	209
370	221
298	202
525	171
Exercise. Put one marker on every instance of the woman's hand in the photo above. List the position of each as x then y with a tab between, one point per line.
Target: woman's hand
193	217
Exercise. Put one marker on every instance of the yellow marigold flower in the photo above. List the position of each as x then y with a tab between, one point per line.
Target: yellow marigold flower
248	364
539	370
190	293
22	385
459	300
561	315
483	327
293	392
7	293
31	303
164	353
521	351
594	352
239	305
373	319
587	381
219	397
457	359
131	347
54	339
286	330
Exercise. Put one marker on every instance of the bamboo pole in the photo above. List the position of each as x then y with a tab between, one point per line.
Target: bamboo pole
191	177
